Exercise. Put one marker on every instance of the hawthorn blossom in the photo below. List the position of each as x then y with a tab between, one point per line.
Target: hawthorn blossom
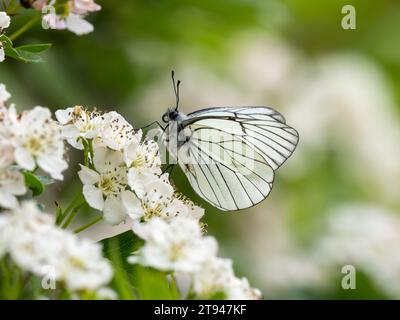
104	129
117	133
77	123
4	95
37	140
83	266
160	200
104	186
240	289
217	276
367	237
4	23
176	246
212	277
144	163
12	182
35	244
73	17
84	6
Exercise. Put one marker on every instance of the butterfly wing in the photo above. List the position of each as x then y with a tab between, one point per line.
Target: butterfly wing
232	153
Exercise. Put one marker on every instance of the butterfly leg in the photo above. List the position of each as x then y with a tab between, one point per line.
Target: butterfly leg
150	124
168	169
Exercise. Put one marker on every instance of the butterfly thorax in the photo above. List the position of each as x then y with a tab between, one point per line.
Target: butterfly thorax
175	134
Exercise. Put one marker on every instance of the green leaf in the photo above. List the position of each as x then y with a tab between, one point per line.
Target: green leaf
25	53
117	249
154	285
33	182
35	48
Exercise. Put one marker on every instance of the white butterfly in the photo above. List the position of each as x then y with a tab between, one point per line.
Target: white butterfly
229	154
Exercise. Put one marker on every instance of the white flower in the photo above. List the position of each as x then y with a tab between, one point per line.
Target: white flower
37	140
144	164
82	265
117	133
367	237
105	129
79	123
217	276
54	21
35	244
159	200
11	181
155	202
104	187
4	20
76	24
213	277
176	246
106	294
84	6
73	21
239	289
4	23
2	55
4	95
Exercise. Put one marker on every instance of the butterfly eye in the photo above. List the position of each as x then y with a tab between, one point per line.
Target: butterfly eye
165	118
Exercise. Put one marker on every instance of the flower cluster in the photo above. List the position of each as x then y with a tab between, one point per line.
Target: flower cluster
4	24
36	245
67	16
122	177
179	246
28	141
366	237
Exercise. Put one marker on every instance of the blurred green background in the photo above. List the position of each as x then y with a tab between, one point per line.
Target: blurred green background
339	88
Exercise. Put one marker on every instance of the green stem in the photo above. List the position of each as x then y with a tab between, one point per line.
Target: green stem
90	145
88	225
72	216
85	152
24	28
77	201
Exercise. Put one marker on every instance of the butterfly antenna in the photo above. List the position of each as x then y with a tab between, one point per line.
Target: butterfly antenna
176	89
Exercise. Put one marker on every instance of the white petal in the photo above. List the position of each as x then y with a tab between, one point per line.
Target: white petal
88	176
36	117
63	116
77	144
4	94
78	25
139	180
130	152
132	204
2	56
70	131
17	187
93	196
52	165
7	200
104	155
100	157
4	20
24	159
114	211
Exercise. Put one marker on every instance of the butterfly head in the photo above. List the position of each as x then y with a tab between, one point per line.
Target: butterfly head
172	115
